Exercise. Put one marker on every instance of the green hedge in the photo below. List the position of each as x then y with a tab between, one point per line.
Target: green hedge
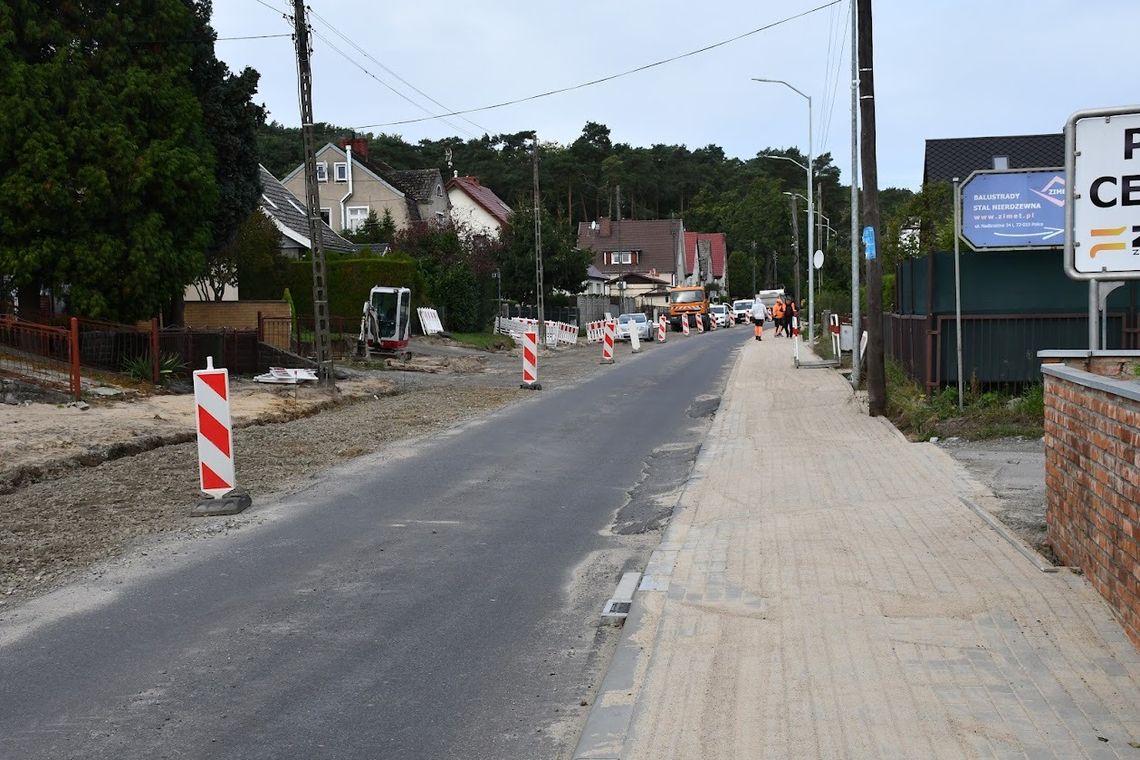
350	280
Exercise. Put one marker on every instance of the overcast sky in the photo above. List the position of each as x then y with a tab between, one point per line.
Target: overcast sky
943	69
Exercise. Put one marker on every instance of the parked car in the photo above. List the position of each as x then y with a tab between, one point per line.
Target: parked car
719	313
742	310
627	323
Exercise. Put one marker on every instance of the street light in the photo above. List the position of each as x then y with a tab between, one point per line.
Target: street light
781	158
811	207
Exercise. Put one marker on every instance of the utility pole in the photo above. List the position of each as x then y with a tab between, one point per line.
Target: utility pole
796	243
537	248
754	291
876	369
856	326
312	200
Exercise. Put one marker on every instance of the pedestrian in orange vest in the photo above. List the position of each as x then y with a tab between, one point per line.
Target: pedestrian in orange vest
778	310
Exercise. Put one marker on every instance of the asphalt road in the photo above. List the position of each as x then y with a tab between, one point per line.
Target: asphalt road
440	603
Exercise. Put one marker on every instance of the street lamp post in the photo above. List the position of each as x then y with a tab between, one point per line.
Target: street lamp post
811	209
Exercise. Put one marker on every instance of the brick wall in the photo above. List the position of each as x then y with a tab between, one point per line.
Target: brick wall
1092	482
239	315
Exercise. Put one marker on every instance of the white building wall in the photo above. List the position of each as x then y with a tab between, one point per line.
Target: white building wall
465	212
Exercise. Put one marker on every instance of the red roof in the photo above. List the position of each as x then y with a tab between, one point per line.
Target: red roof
484	196
718	249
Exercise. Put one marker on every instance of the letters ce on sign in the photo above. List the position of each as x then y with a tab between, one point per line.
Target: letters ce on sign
1102	217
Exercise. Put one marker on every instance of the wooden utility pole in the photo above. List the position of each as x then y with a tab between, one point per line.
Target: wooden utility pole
796	242
538	249
321	346
876	369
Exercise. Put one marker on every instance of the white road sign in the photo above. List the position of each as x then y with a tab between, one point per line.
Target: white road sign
1102	239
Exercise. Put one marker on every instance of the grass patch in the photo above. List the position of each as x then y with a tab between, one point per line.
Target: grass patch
989	414
484	341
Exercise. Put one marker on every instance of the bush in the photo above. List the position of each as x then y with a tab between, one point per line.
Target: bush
349	281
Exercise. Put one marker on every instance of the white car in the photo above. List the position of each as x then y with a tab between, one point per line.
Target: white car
718	312
742	310
627	323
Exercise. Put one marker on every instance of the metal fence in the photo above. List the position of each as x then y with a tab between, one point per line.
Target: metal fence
296	335
41	353
120	348
997	349
568	314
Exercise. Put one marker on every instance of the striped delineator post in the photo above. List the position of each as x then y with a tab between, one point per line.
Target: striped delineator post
530	361
215	433
608	344
685	324
661	325
700	324
634	338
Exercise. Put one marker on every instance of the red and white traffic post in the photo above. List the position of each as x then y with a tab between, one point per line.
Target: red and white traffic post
530	361
216	477
685	324
661	329
608	343
700	324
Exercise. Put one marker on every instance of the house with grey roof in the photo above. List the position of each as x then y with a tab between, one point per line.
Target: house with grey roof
947	158
287	212
351	185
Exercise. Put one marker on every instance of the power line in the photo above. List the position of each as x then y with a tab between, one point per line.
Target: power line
365	53
838	67
389	87
272	8
252	37
611	77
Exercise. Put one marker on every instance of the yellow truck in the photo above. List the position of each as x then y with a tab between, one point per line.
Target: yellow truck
688	302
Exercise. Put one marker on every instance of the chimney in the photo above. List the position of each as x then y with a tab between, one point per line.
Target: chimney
604	226
359	146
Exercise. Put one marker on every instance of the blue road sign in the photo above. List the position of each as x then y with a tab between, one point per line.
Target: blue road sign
1023	209
869	243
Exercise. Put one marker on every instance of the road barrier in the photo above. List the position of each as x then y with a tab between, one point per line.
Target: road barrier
700	324
712	322
634	338
530	361
429	320
833	328
215	433
556	332
661	329
608	343
595	331
685	324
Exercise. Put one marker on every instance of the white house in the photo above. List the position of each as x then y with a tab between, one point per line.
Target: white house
476	208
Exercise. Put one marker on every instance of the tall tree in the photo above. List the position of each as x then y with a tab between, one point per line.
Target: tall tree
232	121
106	170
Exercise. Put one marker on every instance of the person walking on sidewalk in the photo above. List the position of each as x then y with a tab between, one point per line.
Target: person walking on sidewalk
791	311
759	314
778	315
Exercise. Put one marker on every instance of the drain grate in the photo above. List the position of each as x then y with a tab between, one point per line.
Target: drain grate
619	608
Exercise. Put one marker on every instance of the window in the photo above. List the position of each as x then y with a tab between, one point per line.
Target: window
326	214
1001	163
322	171
356	217
623	257
340	171
439	191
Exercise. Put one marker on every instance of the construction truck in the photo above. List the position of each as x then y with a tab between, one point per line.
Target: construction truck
688	302
385	323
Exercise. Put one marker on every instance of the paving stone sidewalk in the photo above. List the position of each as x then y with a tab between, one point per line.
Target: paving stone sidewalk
825	592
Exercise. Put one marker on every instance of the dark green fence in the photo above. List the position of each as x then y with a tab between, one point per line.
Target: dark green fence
1014	304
